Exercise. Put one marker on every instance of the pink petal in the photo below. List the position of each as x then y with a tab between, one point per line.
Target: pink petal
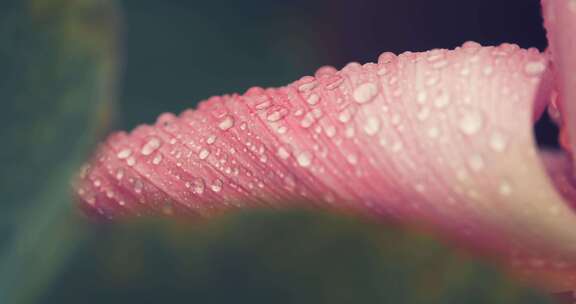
560	22
441	137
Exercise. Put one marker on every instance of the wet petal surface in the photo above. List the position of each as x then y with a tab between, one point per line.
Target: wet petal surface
442	137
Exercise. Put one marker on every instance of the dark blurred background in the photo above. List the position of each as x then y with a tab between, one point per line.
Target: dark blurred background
74	70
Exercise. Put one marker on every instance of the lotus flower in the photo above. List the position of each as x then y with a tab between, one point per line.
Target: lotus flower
442	138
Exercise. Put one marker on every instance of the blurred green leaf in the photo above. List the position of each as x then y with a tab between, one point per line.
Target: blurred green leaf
277	257
57	86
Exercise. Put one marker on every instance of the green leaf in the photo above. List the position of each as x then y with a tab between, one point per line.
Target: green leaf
278	257
57	86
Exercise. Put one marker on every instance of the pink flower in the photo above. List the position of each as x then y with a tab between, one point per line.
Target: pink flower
442	137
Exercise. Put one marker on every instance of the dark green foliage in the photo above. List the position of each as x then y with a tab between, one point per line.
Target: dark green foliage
58	71
268	257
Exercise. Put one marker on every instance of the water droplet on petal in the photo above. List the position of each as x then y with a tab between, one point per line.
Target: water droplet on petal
211	139
352	159
476	162
345	115
283	153
440	64
504	188
498	142
203	154
534	68
471	123
157	159
325	71
334	83
442	100
276	114
421	97
226	123
289	182
217	185
304	159
125	153
198	186
330	131
423	114
386	57
420	188
471	45
138	186
150	146
119	174
365	92
313	99
433	132
307	86
372	125
308	120
395	119
131	161
349	132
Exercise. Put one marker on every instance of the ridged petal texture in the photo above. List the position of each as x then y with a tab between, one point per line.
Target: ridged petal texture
441	137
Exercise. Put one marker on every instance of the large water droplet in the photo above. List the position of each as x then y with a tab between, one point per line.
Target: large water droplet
365	92
125	153
150	146
226	123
